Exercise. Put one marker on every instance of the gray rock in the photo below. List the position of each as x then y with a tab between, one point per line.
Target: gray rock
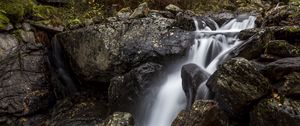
276	112
103	51
173	8
192	76
141	11
118	119
23	79
290	87
124	13
27	36
26	26
203	113
236	85
277	69
125	90
8	44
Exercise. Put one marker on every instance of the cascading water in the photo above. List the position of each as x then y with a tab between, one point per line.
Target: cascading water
210	49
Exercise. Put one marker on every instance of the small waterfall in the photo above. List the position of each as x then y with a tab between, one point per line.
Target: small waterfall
209	50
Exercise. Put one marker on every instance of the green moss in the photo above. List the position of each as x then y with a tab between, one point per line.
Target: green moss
293	29
41	12
14	9
4	21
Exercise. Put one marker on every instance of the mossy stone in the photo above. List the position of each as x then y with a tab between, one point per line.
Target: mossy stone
14	10
4	21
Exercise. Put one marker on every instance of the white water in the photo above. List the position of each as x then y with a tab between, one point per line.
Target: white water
210	48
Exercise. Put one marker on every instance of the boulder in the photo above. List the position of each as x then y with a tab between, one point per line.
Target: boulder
248	33
124	13
203	113
84	111
192	76
25	87
124	90
277	69
281	48
141	11
173	8
118	119
276	112
288	33
186	21
103	51
236	85
290	87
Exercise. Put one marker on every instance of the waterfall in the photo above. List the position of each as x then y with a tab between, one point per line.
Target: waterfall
209	50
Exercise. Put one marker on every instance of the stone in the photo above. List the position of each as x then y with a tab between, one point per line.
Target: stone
8	45
27	36
26	26
48	27
100	52
141	11
186	22
276	112
290	87
281	48
202	113
236	85
173	8
277	69
124	13
25	88
118	119
192	76
124	91
248	33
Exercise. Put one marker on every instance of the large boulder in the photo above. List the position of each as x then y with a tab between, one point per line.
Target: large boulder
192	76
276	112
102	51
124	90
236	85
203	113
281	48
290	87
277	69
23	78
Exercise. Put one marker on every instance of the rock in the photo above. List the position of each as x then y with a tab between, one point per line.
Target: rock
275	112
158	13
186	22
124	13
290	87
277	69
26	26
34	120
118	119
254	46
236	85
192	76
100	52
124	90
281	48
141	11
78	112
49	28
221	18
288	33
8	45
203	113
27	36
5	22
247	33
173	8
23	79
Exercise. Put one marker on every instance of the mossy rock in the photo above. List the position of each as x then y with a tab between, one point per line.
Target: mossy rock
4	21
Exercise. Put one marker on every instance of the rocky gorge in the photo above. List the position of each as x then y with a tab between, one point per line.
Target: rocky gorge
98	69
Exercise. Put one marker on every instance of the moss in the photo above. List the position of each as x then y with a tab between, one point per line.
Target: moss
14	9
41	12
4	21
293	29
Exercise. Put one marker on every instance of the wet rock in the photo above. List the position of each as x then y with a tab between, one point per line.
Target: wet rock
288	33
173	8
186	22
125	90
103	51
281	48
203	113
23	79
49	28
83	112
277	69
221	18
236	85
276	112
192	76
290	87
141	11
254	46
118	119
247	33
